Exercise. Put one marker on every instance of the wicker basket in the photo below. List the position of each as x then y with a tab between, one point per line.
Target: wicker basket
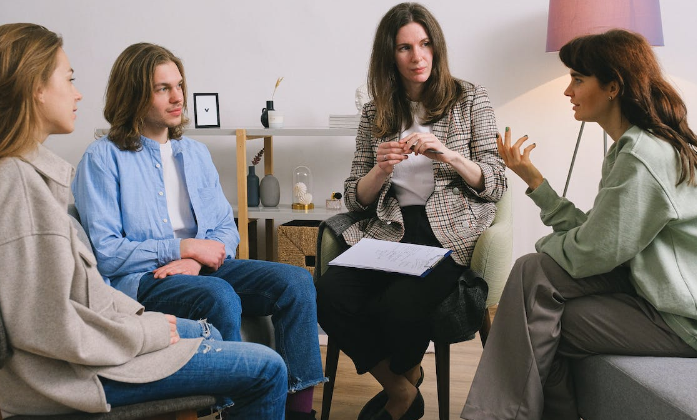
297	243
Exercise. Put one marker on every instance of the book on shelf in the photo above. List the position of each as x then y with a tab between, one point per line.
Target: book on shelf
344	121
394	257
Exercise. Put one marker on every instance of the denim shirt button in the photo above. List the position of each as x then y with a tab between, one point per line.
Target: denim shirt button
164	220
160	193
456	191
157	165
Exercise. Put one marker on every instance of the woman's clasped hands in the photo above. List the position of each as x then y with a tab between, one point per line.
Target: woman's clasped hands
518	162
391	153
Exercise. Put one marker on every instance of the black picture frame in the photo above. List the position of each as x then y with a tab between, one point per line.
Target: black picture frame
206	110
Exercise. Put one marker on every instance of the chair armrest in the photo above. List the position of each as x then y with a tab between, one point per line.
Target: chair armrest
492	253
329	247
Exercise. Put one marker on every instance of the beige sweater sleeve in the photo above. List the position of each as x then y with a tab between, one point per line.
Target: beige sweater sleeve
55	304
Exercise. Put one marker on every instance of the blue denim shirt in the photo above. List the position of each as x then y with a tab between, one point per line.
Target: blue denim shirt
122	202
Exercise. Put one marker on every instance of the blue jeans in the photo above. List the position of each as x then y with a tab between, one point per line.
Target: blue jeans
246	377
255	288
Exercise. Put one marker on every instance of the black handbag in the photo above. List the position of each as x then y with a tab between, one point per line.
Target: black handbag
460	315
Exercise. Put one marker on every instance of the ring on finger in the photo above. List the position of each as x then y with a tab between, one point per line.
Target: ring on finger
385	158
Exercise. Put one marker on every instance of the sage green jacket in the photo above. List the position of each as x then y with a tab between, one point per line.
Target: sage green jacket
640	218
65	325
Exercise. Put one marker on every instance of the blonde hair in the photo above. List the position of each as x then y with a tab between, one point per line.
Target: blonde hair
129	93
27	60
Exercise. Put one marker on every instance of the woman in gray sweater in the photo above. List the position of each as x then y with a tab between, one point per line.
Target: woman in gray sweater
76	343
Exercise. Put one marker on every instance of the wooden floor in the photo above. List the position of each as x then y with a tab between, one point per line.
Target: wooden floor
351	391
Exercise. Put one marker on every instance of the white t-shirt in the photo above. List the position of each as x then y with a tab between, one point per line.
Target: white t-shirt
413	177
178	202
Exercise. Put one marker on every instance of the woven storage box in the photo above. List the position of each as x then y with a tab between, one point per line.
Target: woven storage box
297	243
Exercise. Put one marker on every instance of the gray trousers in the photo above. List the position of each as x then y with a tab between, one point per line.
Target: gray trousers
545	319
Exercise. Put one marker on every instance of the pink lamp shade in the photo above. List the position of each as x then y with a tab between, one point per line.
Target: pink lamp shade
571	18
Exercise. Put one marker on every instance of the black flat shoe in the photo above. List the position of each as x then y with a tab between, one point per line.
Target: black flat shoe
380	399
415	411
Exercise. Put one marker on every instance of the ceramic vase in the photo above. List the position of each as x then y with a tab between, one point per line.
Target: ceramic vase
252	188
270	191
265	113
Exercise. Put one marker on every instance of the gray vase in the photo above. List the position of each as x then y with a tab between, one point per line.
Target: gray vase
269	191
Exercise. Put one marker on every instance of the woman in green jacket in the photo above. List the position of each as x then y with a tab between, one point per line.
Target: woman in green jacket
619	279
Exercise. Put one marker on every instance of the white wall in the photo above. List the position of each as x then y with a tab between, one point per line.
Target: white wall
239	48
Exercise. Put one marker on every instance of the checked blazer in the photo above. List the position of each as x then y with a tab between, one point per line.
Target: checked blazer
458	214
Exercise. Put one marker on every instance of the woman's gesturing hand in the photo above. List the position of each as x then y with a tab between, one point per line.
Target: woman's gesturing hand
519	162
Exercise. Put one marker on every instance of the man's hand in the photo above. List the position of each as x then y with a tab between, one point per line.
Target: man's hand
173	334
187	266
206	251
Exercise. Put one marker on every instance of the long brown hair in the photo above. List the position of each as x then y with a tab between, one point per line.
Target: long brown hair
441	90
27	61
647	100
129	93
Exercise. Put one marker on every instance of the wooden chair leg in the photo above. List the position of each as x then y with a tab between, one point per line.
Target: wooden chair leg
443	379
486	324
330	366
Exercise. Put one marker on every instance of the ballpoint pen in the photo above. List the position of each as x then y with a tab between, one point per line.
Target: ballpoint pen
434	151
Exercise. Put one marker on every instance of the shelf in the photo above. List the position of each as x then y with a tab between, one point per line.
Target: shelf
255	133
284	211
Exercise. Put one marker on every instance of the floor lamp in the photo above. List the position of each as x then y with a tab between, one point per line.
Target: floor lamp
571	18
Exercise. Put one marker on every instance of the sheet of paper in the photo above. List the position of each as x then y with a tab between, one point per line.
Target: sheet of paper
396	257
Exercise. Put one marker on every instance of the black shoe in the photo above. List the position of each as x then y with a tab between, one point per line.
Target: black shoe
379	400
296	415
415	411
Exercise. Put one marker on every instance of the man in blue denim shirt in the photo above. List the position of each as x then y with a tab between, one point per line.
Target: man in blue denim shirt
163	232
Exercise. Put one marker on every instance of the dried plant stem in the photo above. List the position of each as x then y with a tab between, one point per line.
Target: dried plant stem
278	82
258	156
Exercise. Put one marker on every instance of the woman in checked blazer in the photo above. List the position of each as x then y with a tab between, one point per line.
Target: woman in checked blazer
426	170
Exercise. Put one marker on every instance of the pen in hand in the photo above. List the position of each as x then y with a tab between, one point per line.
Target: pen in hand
434	151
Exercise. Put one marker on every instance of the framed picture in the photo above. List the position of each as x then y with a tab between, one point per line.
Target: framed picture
206	113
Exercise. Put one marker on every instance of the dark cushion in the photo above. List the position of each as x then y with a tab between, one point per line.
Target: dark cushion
135	411
636	388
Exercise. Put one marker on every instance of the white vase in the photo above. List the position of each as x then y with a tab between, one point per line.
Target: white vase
269	191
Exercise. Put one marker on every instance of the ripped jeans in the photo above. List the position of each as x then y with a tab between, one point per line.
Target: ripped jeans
255	288
249	380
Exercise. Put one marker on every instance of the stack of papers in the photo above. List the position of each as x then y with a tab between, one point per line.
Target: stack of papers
394	257
344	121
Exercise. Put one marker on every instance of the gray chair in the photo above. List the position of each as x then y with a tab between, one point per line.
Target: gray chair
611	387
491	258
